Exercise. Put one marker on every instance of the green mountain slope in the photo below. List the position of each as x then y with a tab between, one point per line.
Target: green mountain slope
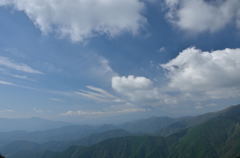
217	137
27	149
148	126
127	147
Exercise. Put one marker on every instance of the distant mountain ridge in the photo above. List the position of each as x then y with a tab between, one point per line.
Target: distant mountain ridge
211	135
150	125
29	124
216	137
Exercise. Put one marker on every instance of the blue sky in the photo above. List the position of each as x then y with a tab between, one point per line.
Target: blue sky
106	60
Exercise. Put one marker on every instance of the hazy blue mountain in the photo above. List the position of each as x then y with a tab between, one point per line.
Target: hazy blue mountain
216	137
77	132
29	124
66	133
187	122
98	137
29	149
212	135
148	126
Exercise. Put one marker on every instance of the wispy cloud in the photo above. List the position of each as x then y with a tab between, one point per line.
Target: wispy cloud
37	110
103	113
56	99
8	63
7	111
22	77
7	83
98	94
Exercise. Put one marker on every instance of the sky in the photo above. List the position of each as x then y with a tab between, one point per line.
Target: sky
94	61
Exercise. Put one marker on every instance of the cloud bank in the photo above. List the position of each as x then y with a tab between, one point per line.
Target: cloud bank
82	19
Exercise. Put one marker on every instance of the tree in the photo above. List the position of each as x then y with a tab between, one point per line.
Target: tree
1	156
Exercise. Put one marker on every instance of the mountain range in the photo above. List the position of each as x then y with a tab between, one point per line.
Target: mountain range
215	137
211	135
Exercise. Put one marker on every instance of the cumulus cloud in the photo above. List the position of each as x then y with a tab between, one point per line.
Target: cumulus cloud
134	88
215	73
203	15
140	90
121	84
82	19
8	63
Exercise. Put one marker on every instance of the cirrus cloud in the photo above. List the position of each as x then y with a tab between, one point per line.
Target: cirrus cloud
103	113
8	63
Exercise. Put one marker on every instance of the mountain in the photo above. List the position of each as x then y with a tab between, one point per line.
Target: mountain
99	137
73	132
26	149
29	124
216	137
66	133
126	147
148	126
187	122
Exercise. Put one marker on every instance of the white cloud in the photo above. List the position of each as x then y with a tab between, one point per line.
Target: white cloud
6	83
82	19
103	113
23	77
215	74
98	94
134	88
202	15
8	63
194	76
101	69
140	91
122	84
7	111
55	99
162	50
37	110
